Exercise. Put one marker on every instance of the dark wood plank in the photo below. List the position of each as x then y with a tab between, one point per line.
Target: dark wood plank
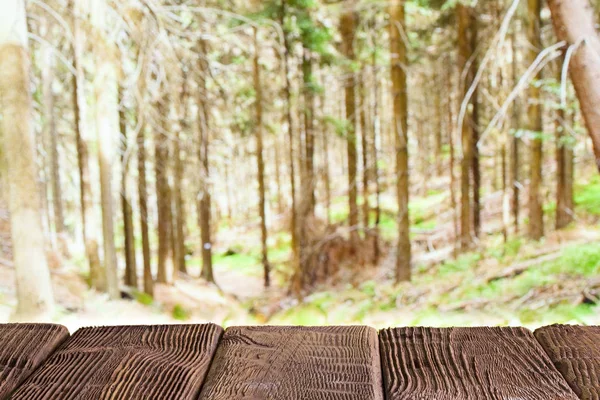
130	362
290	363
23	347
575	351
468	363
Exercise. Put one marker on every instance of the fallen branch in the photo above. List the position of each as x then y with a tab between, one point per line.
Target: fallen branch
519	268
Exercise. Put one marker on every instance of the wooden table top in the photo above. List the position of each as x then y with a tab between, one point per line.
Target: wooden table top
41	361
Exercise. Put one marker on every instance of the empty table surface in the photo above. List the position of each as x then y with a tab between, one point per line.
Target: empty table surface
23	347
128	362
575	351
461	363
286	363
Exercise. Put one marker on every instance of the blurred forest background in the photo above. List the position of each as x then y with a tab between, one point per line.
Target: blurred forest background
418	162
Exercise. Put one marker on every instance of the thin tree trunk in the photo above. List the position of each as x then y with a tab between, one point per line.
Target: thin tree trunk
143	202
179	219
450	122
89	220
534	125
107	122
33	285
464	55
400	129
473	25
375	148
365	152
574	23
52	135
260	163
439	165
277	161
204	203
347	27
296	265
514	149
163	198
309	129
130	260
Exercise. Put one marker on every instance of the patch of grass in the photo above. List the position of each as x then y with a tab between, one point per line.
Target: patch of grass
577	260
463	263
587	196
143	298
242	262
180	313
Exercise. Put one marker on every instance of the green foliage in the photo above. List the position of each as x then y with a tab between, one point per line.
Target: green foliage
180	313
143	298
587	196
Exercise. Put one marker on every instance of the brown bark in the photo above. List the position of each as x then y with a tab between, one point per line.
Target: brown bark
178	172
574	23
364	133
203	156
464	55
564	169
130	259
296	257
476	168
400	130
88	214
534	124
450	123
375	148
163	198
260	162
515	163
438	81
347	28
308	191
143	203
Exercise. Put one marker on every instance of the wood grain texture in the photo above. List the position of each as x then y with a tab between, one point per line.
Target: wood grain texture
575	351
292	363
468	363
129	362
23	347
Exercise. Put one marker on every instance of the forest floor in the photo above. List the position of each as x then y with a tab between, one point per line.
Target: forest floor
517	282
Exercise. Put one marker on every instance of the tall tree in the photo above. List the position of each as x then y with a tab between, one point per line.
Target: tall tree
178	172
107	124
534	123
399	62
203	155
34	290
260	162
163	192
126	207
574	23
89	219
474	121
465	52
348	30
52	135
515	163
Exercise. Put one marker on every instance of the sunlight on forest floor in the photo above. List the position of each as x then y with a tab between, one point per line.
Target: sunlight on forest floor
514	283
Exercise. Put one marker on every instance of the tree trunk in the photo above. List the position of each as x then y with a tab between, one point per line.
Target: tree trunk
464	55
308	190
203	156
143	199
130	260
347	27
89	220
52	135
260	163
564	168
33	285
364	152
473	25
451	131
107	123
439	166
515	163
179	218
163	197
574	23
375	148
534	124
400	129
296	266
